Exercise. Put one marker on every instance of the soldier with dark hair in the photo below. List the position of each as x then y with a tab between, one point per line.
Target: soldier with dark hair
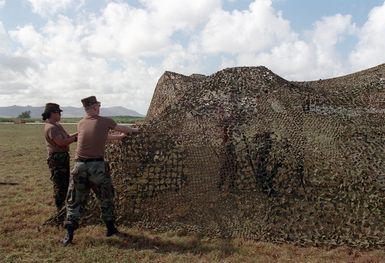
58	141
91	171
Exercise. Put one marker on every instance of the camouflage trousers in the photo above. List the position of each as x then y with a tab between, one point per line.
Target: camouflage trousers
59	165
84	177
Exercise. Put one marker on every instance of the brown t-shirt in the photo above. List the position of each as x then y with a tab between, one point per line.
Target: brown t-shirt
52	131
92	136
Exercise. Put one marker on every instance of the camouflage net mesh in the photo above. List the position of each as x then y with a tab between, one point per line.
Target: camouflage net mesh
246	153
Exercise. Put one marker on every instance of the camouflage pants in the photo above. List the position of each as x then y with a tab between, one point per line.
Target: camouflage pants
84	177
59	165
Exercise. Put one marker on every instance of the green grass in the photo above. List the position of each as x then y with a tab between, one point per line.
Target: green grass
26	202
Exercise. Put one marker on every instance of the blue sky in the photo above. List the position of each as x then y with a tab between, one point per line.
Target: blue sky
303	13
64	50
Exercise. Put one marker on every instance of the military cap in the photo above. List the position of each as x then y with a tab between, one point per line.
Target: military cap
52	107
89	101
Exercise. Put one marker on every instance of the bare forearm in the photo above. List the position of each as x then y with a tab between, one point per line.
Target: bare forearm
114	137
65	142
126	129
133	130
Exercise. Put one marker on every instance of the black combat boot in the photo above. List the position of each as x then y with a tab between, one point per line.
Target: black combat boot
111	229
69	235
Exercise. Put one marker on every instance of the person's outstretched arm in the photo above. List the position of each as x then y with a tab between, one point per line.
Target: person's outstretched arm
125	130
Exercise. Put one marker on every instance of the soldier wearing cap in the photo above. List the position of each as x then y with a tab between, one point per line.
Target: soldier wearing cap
57	141
90	170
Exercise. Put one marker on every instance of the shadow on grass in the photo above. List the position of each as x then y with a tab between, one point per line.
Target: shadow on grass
194	244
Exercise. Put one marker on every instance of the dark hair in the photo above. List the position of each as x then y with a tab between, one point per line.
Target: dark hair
45	115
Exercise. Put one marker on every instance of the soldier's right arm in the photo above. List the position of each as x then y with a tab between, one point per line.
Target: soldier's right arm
126	129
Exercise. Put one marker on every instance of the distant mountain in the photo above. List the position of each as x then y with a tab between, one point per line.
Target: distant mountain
14	111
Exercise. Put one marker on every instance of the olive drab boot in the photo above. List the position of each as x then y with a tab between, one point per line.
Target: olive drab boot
111	229
69	235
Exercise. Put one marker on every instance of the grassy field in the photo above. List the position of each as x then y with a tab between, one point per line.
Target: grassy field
26	202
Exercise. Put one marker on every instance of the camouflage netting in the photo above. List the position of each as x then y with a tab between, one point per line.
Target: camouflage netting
246	153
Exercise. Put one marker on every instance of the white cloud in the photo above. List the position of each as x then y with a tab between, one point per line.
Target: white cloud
291	60
124	30
313	57
119	53
63	67
370	49
31	42
132	32
4	40
182	60
51	7
176	14
14	70
67	80
253	30
16	73
328	32
2	3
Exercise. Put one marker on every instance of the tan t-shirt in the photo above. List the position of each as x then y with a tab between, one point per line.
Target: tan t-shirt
92	136
52	131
